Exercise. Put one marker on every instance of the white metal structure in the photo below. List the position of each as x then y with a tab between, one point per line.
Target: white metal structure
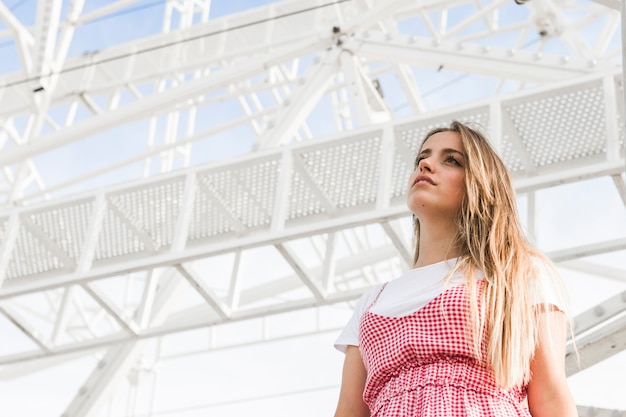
281	137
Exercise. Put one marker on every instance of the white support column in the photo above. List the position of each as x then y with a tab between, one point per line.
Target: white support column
387	151
611	118
234	291
101	384
330	263
62	318
144	311
88	250
531	216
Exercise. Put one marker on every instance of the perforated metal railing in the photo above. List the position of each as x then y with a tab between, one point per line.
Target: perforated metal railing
542	132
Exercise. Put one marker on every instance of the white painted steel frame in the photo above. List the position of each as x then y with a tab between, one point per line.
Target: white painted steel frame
177	64
282	224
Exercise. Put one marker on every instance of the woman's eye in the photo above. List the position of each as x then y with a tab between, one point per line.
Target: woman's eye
453	160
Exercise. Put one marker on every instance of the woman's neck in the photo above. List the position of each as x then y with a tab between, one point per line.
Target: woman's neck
437	244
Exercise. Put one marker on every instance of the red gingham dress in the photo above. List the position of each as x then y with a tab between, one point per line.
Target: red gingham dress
422	364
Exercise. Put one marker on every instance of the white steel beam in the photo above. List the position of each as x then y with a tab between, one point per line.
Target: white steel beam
399	244
297	107
590	411
301	271
120	359
595	268
601	313
148	106
318	188
198	284
468	58
24	40
364	98
46	28
25	327
597	346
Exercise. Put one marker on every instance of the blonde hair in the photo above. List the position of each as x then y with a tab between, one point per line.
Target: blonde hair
490	238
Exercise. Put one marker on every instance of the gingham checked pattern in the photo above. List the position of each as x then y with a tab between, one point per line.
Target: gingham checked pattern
422	364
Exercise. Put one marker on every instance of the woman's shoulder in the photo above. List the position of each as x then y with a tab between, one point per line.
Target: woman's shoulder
548	286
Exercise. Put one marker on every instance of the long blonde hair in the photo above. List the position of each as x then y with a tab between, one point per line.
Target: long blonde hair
491	239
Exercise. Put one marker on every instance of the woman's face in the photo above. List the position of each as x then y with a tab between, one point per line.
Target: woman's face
437	185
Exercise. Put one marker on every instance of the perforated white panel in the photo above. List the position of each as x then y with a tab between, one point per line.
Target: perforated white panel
66	226
31	256
117	238
346	173
235	197
562	127
509	155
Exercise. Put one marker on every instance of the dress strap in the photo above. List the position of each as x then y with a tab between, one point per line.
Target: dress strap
377	295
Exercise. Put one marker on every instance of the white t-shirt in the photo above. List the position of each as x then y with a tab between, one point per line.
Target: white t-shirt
413	290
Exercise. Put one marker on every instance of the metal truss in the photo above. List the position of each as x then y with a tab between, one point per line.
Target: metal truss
328	101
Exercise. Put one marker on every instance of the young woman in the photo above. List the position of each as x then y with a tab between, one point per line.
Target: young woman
477	326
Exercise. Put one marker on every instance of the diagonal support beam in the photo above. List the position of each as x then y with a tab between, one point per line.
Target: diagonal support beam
365	99
298	106
398	243
23	38
120	359
301	272
198	284
21	323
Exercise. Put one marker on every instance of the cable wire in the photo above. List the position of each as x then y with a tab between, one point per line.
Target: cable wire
177	42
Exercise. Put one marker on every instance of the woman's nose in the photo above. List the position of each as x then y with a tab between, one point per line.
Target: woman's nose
425	165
